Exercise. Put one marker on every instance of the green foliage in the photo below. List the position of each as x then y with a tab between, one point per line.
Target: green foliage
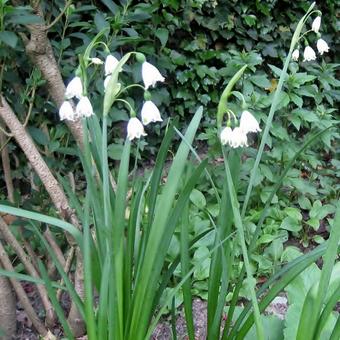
199	46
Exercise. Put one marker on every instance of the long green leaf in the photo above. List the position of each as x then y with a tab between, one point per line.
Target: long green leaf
70	228
56	305
147	277
328	263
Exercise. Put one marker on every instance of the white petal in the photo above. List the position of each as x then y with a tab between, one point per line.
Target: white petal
322	46
309	54
110	64
97	61
106	81
150	113
150	75
238	138
66	111
84	107
248	123
295	55
74	88
135	129
226	136
316	24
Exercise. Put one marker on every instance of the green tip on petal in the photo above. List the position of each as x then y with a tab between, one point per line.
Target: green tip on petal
140	57
147	95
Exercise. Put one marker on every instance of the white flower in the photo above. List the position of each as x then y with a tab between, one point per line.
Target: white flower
150	113
96	61
150	75
226	135
295	55
66	111
84	108
238	138
110	64
322	46
309	54
135	129
316	24
106	81
248	123
74	88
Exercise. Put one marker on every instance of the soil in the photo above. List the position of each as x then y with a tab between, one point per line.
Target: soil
163	331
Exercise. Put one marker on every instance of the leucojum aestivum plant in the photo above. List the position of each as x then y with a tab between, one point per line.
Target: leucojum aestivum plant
128	222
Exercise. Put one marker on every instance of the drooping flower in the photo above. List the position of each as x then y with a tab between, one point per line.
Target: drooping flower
309	54
316	24
226	135
150	113
97	61
110	64
135	129
74	88
322	46
150	75
248	123
84	107
66	111
295	55
238	138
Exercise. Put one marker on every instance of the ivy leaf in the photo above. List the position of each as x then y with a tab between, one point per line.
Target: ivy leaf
163	35
9	38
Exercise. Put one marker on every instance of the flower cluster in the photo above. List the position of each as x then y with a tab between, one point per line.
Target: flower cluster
149	112
135	128
321	45
83	109
237	137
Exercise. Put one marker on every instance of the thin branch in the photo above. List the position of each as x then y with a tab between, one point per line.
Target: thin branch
24	300
67	5
19	251
7	169
67	268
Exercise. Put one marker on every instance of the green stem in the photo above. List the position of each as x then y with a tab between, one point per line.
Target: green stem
240	229
273	107
105	170
222	105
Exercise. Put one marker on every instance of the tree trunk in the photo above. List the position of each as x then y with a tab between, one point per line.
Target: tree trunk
7	310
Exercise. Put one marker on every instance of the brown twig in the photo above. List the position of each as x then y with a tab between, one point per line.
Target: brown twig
67	5
20	253
67	268
25	302
7	169
58	198
54	245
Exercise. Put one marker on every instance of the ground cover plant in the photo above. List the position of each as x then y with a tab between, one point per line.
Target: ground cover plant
135	241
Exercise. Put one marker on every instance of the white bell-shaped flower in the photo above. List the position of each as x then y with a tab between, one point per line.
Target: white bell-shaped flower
295	55
110	64
135	129
248	123
150	113
226	135
316	24
66	111
322	46
84	107
309	54
238	138
97	61
150	75
74	88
